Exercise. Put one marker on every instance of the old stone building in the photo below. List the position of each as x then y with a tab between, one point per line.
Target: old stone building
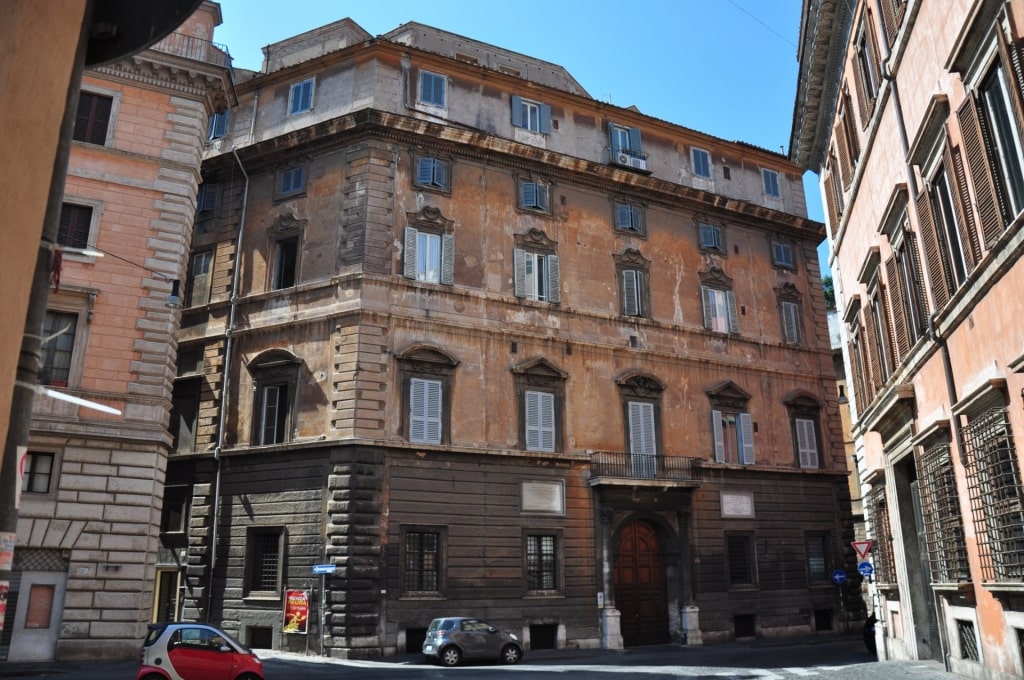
87	536
482	343
912	113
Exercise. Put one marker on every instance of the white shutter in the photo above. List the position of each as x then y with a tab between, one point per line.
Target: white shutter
554	279
791	321
540	421
410	253
806	443
519	262
448	259
631	292
716	432
734	319
425	411
746	427
641	428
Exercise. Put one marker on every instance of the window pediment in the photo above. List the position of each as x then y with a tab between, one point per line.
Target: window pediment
728	394
540	367
429	216
273	358
536	240
286	224
426	356
640	385
787	291
716	276
631	257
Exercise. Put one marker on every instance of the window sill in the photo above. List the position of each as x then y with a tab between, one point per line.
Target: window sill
262	597
543	595
414	596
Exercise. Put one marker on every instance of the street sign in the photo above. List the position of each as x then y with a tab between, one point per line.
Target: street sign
324	568
865	569
862	548
839	577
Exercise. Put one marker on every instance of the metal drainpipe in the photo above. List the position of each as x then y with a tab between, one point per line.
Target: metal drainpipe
932	332
226	382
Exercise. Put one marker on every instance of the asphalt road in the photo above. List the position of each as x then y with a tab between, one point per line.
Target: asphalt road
818	658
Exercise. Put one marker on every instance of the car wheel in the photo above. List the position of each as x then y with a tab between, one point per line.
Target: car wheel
249	676
451	655
511	654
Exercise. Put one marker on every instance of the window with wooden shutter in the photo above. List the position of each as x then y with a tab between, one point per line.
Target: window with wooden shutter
537	276
632	280
981	170
932	254
531	115
431	173
75	225
733	435
720	310
966	228
540	421
898	309
429	257
425	411
643	444
790	321
806	442
300	97
93	118
198	291
892	18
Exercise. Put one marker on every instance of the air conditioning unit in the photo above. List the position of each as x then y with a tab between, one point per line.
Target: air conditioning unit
622	159
638	163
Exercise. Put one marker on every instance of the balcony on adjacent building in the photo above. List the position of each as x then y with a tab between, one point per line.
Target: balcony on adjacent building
191	47
618	468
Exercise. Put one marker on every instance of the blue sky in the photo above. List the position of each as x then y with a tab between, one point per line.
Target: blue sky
724	67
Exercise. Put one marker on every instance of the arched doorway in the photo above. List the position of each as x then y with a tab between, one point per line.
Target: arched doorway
640	593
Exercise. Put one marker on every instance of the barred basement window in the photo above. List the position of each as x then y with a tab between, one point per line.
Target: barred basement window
994	487
968	640
943	524
542	562
880	534
422	561
263	561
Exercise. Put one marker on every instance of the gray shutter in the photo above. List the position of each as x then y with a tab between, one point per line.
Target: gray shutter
716	432
517	111
519	264
622	216
540	421
542	196
641	429
554	279
734	320
634	140
611	138
528	194
630	292
448	259
432	414
545	119
417	407
440	174
791	321
806	443
709	304
410	253
746	427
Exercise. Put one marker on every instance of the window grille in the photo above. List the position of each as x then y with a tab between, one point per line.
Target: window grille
968	640
878	514
266	562
993	484
422	553
943	524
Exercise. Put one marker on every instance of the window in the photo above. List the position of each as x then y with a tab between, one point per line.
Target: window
541	562
174	516
75	225
425	408
626	141
782	255
995	490
300	99
429	257
540	391
537	276
59	330
633	270
805	431
804	415
218	125
432	89
790	312
286	263
868	59
739	549
185	414
719	310
530	115
710	236
876	507
906	286
940	510
93	118
275	374
734	437
431	173
629	217
199	268
819	566
533	196
264	561
770	180
641	402
291	181
38	472
422	560
208	198
426	374
701	161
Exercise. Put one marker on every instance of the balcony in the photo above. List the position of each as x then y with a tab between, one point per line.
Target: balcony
628	158
191	47
627	469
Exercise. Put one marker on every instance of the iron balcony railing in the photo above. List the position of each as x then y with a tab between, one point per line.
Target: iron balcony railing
191	47
622	465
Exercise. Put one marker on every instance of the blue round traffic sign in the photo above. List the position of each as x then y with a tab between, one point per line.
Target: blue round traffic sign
839	577
865	569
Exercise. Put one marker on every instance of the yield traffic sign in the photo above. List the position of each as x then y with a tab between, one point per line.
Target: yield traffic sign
862	548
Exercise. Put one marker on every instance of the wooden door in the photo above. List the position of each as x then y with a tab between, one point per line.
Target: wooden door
640	593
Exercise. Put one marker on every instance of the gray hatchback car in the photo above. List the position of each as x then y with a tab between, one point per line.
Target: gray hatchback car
454	638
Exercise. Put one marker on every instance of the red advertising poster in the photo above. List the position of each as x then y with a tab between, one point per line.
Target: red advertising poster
296	612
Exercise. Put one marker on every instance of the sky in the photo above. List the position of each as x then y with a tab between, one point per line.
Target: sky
724	67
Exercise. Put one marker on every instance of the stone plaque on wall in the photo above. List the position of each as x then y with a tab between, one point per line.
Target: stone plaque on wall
546	497
737	504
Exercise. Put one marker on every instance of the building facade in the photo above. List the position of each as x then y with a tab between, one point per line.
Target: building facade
912	114
478	342
87	541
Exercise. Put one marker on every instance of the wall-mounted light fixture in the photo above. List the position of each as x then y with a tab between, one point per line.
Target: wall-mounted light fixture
173	300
